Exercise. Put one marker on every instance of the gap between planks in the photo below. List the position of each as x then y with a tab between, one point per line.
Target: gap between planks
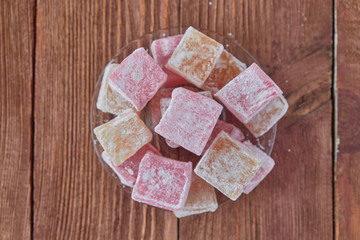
32	144
335	116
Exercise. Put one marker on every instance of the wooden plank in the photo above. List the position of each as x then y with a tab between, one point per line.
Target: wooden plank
292	40
347	185
73	196
16	81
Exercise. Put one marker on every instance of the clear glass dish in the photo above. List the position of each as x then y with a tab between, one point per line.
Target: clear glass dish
97	117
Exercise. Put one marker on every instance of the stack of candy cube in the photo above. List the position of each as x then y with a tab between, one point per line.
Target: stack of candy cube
187	116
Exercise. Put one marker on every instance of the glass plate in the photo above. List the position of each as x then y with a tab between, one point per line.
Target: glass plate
97	117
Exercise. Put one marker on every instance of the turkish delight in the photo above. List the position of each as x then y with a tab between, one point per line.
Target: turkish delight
123	136
248	93
162	182
228	165
189	120
138	78
195	57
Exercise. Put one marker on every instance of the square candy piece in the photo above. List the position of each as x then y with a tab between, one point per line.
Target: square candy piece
233	131
108	99
226	68
201	198
248	93
161	50
123	136
162	182
128	170
164	105
266	167
195	57
228	165
137	78
268	116
189	120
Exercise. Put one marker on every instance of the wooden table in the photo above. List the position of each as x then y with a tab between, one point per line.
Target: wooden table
52	185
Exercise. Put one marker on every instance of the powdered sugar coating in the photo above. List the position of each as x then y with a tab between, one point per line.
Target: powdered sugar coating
161	50
155	103
164	105
128	170
108	99
165	102
268	116
189	120
228	165
162	182
201	198
233	131
138	78
248	93
123	136
226	68
195	56
267	165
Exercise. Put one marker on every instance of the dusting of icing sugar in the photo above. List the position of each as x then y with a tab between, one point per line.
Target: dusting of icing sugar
189	120
161	182
228	165
138	78
195	56
268	116
248	93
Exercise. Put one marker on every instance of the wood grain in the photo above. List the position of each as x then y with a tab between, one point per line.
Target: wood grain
347	205
292	40
16	81
73	196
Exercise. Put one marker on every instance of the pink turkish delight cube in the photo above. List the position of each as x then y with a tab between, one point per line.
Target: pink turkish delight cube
128	170
189	120
266	166
268	116
161	50
164	105
195	56
248	93
233	131
138	78
162	182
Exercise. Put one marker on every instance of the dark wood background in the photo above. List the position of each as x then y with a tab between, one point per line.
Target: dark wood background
52	185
